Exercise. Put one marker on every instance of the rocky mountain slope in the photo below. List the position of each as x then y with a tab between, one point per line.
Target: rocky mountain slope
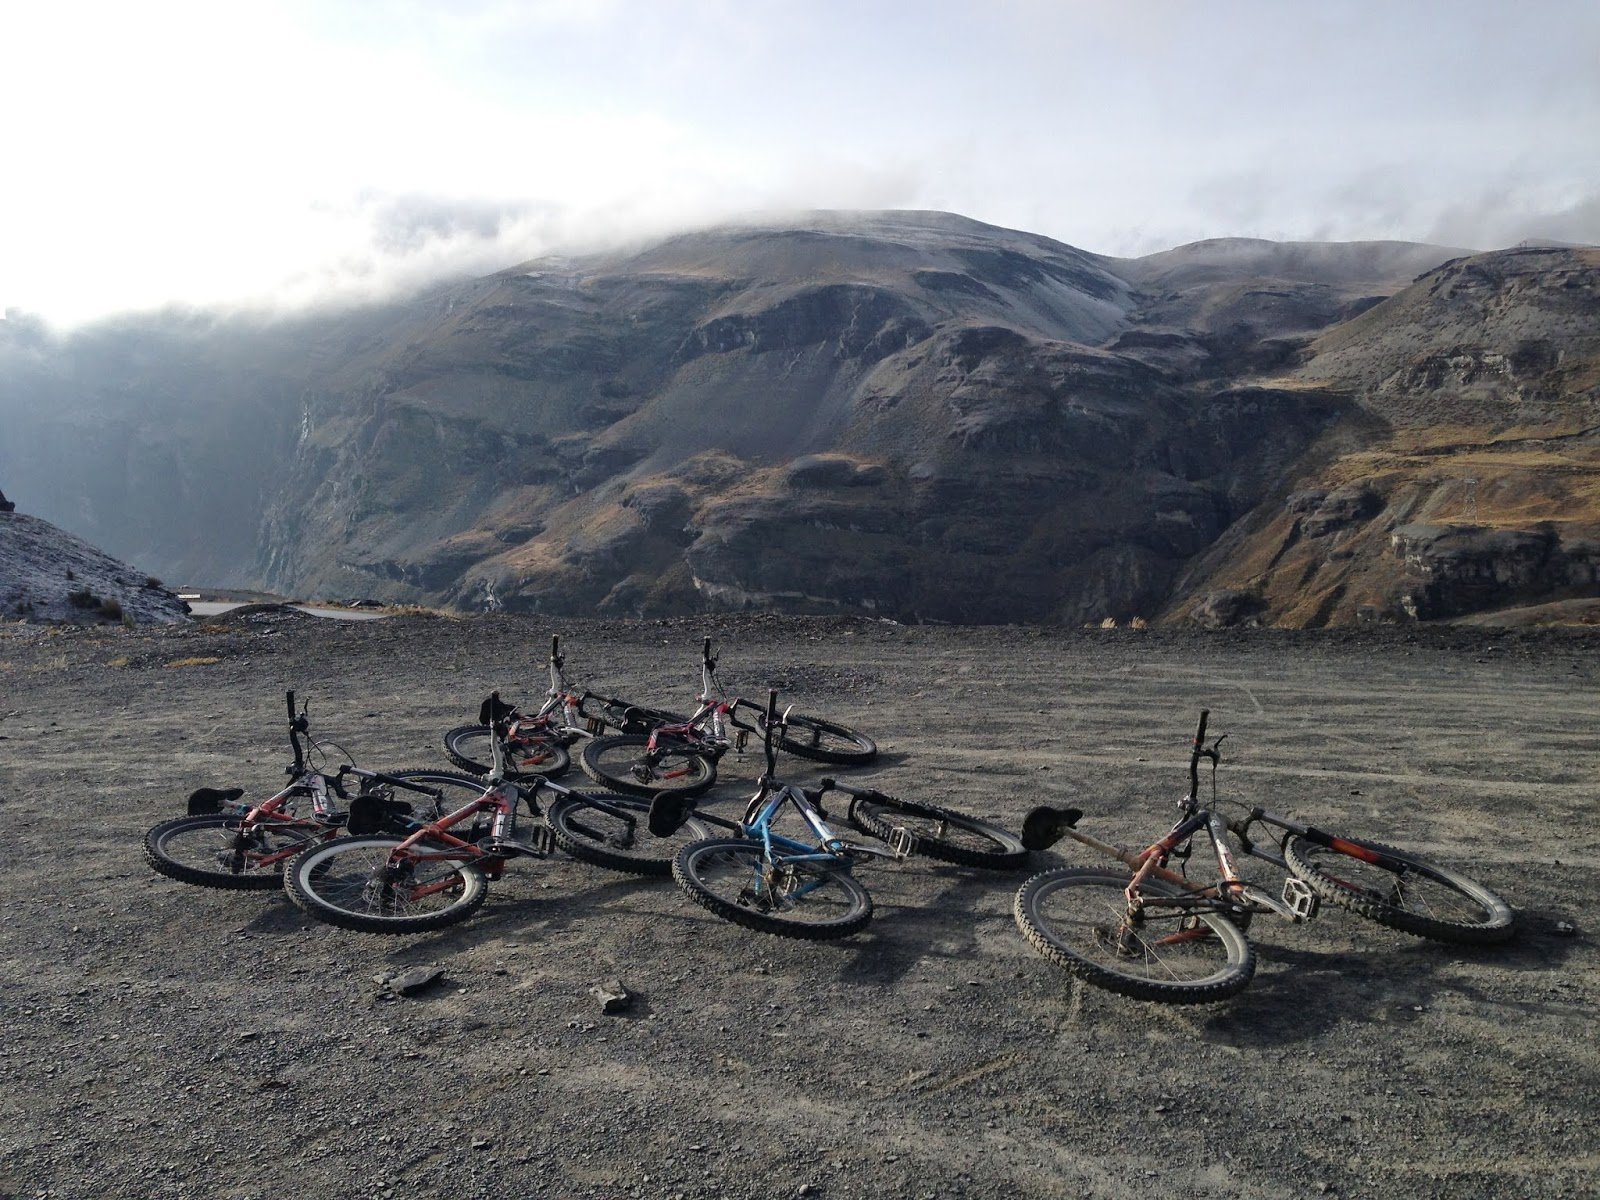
911	415
47	574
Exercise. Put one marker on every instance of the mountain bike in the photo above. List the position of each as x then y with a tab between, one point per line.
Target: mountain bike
682	755
222	843
437	874
538	744
775	883
1159	935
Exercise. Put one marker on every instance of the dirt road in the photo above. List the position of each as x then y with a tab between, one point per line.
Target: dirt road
164	1040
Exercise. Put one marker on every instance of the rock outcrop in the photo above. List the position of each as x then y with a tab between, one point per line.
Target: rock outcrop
47	574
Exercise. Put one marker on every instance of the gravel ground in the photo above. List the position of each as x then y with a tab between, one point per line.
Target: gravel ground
166	1041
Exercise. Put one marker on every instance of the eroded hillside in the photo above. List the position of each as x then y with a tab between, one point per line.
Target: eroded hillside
910	415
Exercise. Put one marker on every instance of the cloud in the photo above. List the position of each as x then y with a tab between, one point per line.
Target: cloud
292	152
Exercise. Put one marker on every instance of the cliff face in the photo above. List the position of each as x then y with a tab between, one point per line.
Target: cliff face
1468	475
905	414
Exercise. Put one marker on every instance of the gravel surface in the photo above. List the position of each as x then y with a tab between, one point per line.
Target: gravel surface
165	1040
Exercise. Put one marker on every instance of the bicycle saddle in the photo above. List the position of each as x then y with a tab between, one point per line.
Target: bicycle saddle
668	813
210	800
1045	826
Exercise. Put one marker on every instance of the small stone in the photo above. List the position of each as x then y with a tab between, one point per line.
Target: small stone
409	983
481	1141
613	997
1565	928
249	1035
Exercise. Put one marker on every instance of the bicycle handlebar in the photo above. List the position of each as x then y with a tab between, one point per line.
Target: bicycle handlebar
297	726
1195	754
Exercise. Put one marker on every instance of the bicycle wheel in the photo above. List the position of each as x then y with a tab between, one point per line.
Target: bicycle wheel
614	832
470	748
940	832
826	741
1397	889
731	878
1078	919
620	764
358	883
217	850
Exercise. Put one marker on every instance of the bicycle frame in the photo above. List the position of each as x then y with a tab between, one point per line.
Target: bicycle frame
1231	893
831	852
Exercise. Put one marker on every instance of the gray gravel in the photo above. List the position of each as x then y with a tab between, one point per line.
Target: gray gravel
170	1041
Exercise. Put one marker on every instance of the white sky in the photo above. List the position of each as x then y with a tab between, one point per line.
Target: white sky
282	151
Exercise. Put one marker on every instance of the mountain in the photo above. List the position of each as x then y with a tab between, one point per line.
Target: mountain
908	414
47	574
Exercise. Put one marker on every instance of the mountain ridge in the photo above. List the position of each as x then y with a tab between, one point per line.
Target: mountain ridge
907	415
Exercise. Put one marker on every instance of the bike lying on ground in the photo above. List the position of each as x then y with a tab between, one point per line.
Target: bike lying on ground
775	883
438	873
538	744
682	755
1158	935
222	843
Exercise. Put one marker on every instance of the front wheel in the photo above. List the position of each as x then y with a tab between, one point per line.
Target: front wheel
1397	889
614	832
826	741
471	748
368	884
941	833
734	879
624	764
1078	919
221	850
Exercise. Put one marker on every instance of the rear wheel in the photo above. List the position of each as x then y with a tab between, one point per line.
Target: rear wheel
614	832
732	878
1399	890
941	833
1079	920
218	850
470	747
826	741
363	883
625	764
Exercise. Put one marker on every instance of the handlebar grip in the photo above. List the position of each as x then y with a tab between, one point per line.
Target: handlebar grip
772	706
1195	752
289	698
555	644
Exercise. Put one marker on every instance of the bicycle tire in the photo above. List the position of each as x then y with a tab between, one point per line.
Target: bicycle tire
717	874
1183	966
598	837
468	747
214	850
826	741
457	790
1457	909
335	881
618	763
937	830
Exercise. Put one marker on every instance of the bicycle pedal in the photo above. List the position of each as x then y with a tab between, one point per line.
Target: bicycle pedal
902	842
1299	899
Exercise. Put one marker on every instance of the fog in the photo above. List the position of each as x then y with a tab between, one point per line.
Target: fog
282	154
